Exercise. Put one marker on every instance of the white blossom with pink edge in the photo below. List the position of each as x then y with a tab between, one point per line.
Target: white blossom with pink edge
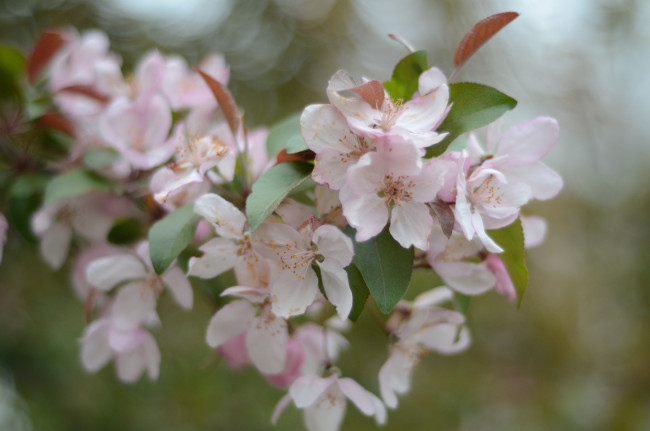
232	249
294	284
133	349
139	286
448	257
517	154
485	199
266	335
91	216
387	184
327	134
323	401
414	120
139	130
85	61
427	328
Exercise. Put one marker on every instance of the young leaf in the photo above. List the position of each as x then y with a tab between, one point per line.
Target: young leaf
372	92
404	81
360	292
224	99
385	266
479	34
511	239
88	91
44	49
281	133
169	236
474	105
272	187
76	183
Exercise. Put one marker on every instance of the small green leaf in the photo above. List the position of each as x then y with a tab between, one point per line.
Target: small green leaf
360	292
511	239
461	303
272	187
28	184
282	133
76	183
100	158
125	231
404	81
385	266
296	144
12	68
474	105
169	236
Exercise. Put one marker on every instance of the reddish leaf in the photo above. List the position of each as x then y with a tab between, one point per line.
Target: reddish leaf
224	99
302	156
445	216
44	49
56	121
372	92
86	90
479	34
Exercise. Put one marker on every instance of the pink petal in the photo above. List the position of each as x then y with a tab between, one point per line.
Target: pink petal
107	272
465	277
307	389
368	214
324	128
134	304
266	341
365	401
228	220
337	288
410	224
179	285
291	294
534	230
232	319
219	255
334	245
95	351
526	143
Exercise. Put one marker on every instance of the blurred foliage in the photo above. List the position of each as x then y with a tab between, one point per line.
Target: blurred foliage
574	357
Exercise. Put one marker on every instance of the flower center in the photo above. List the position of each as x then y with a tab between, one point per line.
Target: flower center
395	191
294	259
487	193
390	112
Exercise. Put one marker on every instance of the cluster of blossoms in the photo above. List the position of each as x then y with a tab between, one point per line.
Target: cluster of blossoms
168	138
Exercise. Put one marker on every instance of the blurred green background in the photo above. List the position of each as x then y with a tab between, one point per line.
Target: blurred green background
576	356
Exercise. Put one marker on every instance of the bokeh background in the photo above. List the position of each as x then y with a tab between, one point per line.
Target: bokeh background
576	356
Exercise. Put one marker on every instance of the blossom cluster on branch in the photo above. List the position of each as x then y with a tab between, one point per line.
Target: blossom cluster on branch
156	182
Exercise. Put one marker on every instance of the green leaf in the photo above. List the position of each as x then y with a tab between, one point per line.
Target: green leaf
296	144
474	105
28	184
126	231
100	158
12	68
461	303
76	183
404	81
282	133
169	236
511	239
385	266
360	291
272	187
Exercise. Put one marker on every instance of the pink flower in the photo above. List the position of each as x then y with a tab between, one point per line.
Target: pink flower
266	335
387	184
414	120
295	284
139	130
517	153
427	327
134	350
323	401
3	233
485	199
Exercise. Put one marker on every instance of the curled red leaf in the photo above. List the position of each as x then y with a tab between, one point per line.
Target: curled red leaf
479	34
86	90
224	99
372	92
44	49
56	121
302	156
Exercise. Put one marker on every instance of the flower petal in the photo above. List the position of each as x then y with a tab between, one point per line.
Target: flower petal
107	272
179	286
228	221
266	341
410	224
337	287
232	319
